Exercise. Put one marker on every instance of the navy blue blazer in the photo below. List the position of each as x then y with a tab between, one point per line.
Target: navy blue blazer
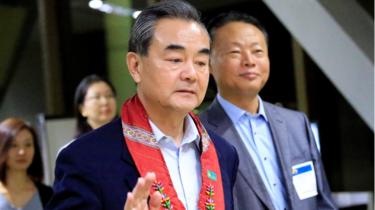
96	171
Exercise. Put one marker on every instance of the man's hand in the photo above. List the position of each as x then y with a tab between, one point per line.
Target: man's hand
137	199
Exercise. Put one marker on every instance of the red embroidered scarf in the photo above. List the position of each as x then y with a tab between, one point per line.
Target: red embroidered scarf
148	158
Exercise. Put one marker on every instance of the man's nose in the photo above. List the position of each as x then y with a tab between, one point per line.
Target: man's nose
189	72
247	59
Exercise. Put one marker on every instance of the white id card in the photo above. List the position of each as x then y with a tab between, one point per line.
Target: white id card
304	180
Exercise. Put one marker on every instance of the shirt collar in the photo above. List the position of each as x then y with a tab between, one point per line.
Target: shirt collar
190	133
235	113
262	111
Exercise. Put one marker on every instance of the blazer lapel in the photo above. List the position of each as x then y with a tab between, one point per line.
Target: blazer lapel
280	138
222	125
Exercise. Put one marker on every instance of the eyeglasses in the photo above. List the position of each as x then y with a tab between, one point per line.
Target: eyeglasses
98	97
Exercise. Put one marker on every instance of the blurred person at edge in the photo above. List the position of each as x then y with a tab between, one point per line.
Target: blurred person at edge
94	104
21	169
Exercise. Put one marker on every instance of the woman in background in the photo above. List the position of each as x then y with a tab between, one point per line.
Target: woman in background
21	169
94	104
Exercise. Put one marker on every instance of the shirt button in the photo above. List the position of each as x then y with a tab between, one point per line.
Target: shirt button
265	158
274	184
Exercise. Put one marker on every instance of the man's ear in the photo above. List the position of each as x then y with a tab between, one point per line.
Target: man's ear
134	66
210	62
210	68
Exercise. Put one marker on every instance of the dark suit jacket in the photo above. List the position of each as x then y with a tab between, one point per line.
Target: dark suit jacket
96	171
45	192
294	144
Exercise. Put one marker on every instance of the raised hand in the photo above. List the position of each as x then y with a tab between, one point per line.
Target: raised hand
137	199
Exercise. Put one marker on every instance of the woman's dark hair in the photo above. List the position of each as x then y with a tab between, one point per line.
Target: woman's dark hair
228	17
144	26
9	129
79	97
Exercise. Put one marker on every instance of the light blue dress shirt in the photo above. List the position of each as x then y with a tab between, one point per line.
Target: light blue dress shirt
183	162
255	132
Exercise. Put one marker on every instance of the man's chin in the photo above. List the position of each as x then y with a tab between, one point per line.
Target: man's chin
186	108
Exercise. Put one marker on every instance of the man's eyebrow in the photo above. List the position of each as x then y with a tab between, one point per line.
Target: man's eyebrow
174	47
204	51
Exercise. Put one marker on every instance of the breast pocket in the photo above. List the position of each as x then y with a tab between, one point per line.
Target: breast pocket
304	179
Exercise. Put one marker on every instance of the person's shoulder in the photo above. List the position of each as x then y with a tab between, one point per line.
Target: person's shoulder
42	188
275	108
45	192
97	141
203	115
215	137
212	114
220	143
226	153
211	107
109	129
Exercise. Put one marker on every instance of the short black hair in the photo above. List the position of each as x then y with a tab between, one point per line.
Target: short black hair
144	26
233	16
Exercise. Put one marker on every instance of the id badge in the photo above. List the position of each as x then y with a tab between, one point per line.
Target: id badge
304	180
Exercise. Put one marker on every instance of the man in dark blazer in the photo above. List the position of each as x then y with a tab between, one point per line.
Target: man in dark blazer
96	171
158	154
280	166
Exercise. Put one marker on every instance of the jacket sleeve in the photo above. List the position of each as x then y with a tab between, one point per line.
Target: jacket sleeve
75	185
324	198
